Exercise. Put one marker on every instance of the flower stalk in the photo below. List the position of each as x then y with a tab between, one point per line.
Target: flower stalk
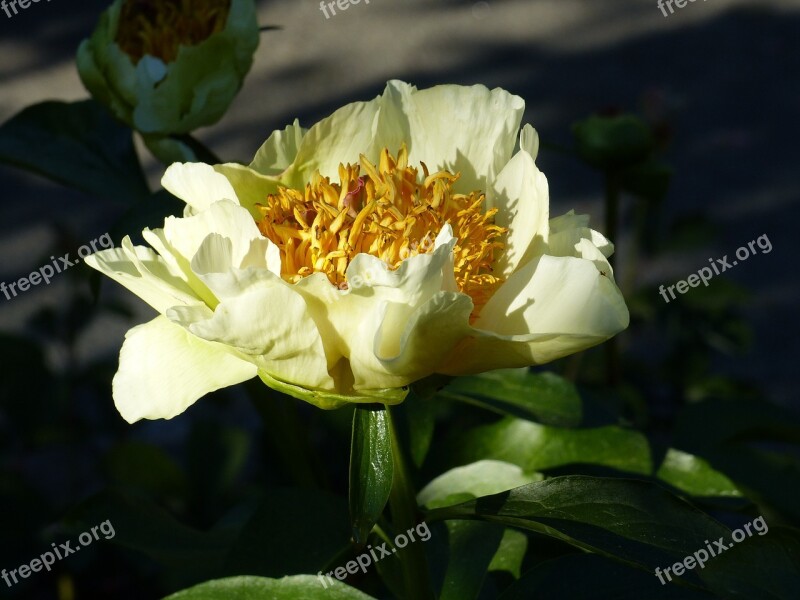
403	504
612	197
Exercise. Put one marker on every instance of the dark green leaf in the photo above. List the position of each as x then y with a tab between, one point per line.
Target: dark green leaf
371	468
471	481
77	144
633	521
299	587
511	553
593	577
765	566
694	475
543	397
471	549
537	447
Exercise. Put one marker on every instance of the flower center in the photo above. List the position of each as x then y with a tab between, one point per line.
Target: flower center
389	212
160	27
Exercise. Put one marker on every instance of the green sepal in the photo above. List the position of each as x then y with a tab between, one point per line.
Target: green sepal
331	400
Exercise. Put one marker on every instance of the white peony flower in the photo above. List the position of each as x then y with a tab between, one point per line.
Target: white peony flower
338	271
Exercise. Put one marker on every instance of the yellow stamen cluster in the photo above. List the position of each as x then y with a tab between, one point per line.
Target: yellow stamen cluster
160	27
388	212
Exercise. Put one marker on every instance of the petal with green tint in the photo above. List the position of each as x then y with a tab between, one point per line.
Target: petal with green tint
467	130
570	229
251	187
197	184
521	196
377	324
214	265
201	185
164	369
197	89
279	151
268	320
551	307
329	400
226	218
145	274
337	139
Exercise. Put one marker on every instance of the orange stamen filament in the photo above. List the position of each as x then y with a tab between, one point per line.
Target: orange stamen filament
387	212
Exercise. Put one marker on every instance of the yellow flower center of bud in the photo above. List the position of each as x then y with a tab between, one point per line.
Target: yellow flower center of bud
160	27
388	212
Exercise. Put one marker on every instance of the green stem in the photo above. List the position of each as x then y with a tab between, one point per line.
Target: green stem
612	210
636	245
203	152
613	368
403	503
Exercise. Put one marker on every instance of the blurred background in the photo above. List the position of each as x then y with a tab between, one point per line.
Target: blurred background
717	83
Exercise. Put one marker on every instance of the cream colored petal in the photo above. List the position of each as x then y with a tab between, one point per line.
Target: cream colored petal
469	130
269	322
385	303
569	229
164	369
428	337
570	235
197	184
179	264
225	217
372	330
279	151
144	273
181	239
215	266
260	315
252	188
339	138
520	193
551	307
